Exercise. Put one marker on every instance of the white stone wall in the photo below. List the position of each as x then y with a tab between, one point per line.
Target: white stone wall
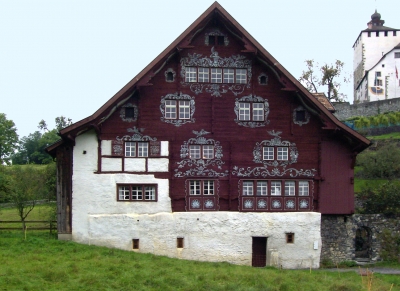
97	218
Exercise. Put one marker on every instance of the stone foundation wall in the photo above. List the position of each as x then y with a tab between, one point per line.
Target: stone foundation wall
338	234
345	110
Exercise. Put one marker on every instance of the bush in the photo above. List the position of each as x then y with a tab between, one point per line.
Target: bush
384	199
390	244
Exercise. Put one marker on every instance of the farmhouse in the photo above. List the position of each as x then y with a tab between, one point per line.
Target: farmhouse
212	152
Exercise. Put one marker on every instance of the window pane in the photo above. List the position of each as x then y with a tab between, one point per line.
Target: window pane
194	187
194	151
170	109
204	75
137	193
191	75
282	153
262	188
276	188
184	109
248	188
208	152
258	111
130	149
244	111
290	188
150	193
216	75
241	76
208	188
123	193
268	153
303	188
229	75
143	149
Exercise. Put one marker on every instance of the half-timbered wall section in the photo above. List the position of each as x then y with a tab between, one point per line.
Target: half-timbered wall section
214	127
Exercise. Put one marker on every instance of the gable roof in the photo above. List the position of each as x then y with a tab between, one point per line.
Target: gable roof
289	83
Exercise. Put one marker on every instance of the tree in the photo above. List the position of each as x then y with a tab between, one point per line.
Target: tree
383	199
26	189
384	163
32	147
8	139
327	75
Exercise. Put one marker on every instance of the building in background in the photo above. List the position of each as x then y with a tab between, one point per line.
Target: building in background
376	62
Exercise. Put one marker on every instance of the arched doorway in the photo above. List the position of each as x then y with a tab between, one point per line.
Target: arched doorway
363	242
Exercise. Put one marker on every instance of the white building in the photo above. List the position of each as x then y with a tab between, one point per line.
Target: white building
376	61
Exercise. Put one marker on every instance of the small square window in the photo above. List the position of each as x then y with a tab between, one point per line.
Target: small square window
135	243
130	149
229	75
276	187
241	76
397	55
195	187
129	112
303	188
290	238
179	242
244	111
208	152
204	75
191	75
194	151
300	115
290	187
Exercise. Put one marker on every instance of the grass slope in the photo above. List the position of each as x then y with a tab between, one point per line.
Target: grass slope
44	263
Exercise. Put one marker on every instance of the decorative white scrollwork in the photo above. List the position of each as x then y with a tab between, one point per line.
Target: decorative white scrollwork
195	203
262	204
290	204
252	99
248	204
209	204
177	96
215	61
136	136
303	204
122	112
276	204
200	167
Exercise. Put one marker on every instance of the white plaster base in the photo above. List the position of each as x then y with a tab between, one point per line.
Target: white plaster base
212	236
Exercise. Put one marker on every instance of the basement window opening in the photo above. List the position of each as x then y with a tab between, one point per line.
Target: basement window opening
179	242
135	243
290	238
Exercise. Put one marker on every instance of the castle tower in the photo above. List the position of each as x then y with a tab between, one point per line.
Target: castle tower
376	51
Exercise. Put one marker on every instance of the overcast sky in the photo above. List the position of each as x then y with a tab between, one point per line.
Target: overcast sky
68	57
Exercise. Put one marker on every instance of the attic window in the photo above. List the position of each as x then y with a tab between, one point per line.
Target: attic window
220	40
129	112
263	79
170	75
216	38
211	39
300	116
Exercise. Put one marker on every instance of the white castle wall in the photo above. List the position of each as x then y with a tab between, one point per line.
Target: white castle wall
98	218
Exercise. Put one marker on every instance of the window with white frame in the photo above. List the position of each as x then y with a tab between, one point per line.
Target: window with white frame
216	75
276	188
229	76
137	192
304	188
249	111
184	109
248	188
241	76
290	188
191	75
282	153
136	149
201	151
204	75
268	153
201	187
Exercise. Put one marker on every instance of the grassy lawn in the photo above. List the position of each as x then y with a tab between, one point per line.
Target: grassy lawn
44	263
393	135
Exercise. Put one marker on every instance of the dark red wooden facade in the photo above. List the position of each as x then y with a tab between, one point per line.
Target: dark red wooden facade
324	150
